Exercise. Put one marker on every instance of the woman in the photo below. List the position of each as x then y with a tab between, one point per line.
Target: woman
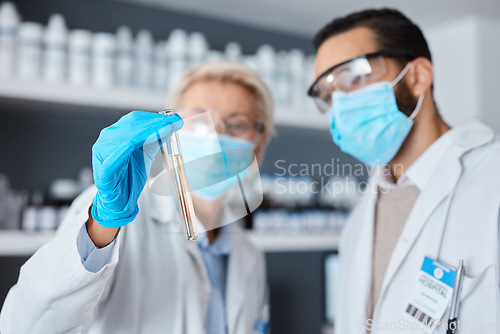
119	263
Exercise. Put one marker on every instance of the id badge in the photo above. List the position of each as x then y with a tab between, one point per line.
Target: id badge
432	294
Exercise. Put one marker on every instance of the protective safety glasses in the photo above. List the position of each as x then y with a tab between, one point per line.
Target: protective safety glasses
352	74
235	124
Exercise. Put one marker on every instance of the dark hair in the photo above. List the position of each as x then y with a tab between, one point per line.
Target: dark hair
393	31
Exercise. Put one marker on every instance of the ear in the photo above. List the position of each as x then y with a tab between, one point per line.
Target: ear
420	76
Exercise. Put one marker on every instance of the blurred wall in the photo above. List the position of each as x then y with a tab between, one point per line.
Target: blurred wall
465	54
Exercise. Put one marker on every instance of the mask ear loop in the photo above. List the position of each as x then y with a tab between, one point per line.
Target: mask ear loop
420	98
417	108
401	74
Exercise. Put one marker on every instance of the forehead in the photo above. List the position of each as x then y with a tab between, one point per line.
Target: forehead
220	96
344	46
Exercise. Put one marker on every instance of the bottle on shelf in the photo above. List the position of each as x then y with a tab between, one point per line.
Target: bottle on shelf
309	106
62	193
79	57
103	47
282	83
177	55
233	52
29	50
214	56
160	67
30	216
143	50
197	48
54	49
265	58
124	58
9	21
250	61
85	179
296	61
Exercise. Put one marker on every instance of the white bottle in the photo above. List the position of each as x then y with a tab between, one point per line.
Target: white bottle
233	52
79	57
309	77
9	21
265	64
103	48
250	61
143	59
177	62
197	48
160	67
85	179
54	49
297	91
282	82
214	56
29	50
30	217
47	218
124	59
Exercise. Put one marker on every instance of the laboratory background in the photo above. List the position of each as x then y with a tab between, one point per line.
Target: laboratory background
70	68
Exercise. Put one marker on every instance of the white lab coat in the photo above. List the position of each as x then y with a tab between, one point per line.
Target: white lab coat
464	191
156	281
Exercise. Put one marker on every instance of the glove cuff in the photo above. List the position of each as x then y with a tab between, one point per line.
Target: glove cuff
111	219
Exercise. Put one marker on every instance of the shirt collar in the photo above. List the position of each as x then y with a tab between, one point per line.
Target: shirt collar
222	245
420	170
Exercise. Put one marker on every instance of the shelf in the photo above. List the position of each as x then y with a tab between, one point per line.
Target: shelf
81	95
271	243
19	243
311	120
124	99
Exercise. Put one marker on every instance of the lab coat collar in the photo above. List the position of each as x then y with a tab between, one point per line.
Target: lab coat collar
438	189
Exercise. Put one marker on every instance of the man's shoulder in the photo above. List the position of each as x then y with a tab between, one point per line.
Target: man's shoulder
485	158
481	170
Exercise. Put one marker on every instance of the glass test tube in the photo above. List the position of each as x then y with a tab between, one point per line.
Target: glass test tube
172	157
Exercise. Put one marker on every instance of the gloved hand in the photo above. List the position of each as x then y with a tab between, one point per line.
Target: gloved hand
121	160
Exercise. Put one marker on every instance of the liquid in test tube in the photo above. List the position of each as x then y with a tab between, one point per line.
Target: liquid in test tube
172	157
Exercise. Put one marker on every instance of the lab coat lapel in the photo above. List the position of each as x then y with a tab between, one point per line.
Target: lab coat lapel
436	191
239	268
438	188
356	251
361	262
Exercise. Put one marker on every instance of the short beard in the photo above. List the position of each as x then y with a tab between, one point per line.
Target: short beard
405	100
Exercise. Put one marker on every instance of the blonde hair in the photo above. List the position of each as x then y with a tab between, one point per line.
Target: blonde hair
227	72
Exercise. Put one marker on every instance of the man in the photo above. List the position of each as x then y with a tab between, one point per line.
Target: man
434	198
119	262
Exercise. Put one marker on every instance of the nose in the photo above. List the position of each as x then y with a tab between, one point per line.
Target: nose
219	125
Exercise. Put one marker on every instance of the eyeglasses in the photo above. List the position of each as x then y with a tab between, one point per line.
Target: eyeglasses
351	75
235	124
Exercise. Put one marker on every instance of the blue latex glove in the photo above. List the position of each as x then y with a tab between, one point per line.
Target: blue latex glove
121	160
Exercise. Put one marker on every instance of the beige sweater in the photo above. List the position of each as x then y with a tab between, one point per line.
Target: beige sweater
392	210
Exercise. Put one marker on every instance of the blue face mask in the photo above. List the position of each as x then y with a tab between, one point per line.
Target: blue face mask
211	173
367	124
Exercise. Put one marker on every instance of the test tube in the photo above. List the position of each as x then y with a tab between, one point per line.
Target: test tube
172	157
